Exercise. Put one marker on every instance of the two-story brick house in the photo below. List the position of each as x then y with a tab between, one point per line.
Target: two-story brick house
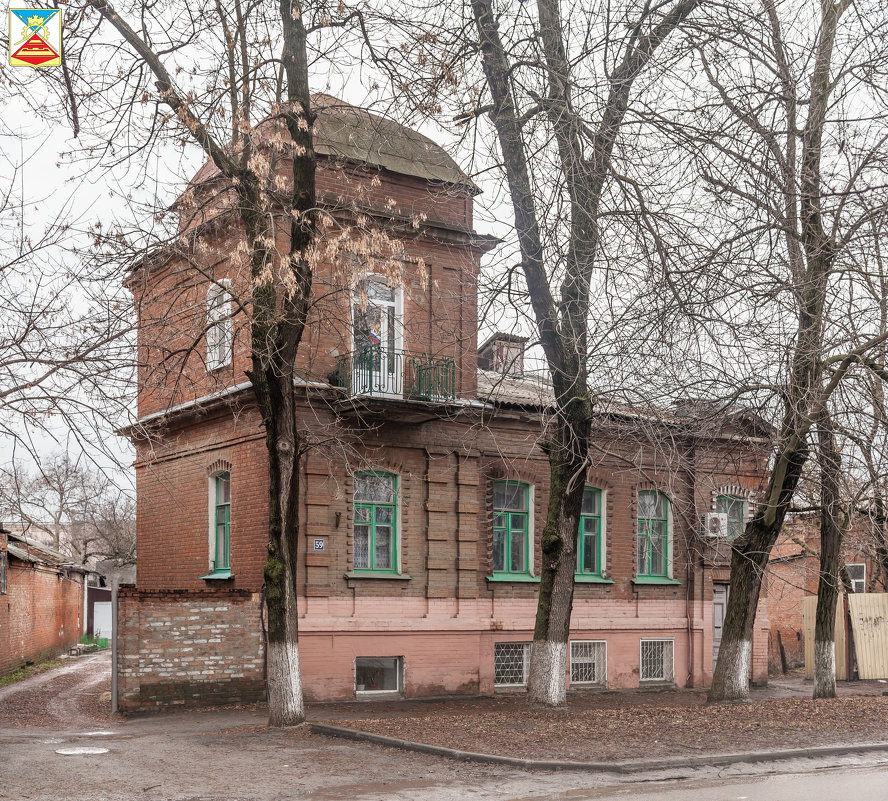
425	489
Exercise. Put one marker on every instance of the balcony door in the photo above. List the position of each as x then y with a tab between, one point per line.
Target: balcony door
377	332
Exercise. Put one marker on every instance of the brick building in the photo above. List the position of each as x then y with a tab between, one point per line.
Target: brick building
425	490
794	574
41	602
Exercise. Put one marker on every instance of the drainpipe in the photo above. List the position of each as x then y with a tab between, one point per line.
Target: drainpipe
114	587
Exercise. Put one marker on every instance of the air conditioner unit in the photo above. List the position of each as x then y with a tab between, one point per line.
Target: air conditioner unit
716	524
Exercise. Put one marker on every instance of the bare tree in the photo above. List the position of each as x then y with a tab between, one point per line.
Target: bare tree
73	506
65	347
793	190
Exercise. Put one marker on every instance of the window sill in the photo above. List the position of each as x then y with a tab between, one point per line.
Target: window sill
519	578
655	580
372	574
218	575
583	578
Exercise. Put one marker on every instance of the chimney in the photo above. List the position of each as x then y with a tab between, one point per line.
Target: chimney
503	353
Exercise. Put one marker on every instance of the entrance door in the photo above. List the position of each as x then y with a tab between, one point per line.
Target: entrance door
719	605
377	367
102	619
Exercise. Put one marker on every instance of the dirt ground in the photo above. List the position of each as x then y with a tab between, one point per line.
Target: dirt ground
630	725
58	742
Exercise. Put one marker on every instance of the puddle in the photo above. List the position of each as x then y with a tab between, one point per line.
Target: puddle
80	751
98	733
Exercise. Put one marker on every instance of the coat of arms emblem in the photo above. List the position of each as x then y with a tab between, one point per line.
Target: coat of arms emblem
35	37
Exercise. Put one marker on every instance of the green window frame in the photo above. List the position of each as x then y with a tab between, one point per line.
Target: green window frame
375	526
221	522
589	551
653	534
511	528
735	508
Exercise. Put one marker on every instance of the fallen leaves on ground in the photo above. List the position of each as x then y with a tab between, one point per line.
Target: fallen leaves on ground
594	728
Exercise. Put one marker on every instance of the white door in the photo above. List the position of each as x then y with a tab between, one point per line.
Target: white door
377	361
719	605
102	619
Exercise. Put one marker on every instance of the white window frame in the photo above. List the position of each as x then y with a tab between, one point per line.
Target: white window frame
659	680
220	333
526	666
601	682
399	672
854	581
211	520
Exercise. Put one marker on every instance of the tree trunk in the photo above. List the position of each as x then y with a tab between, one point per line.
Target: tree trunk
831	534
730	681
567	461
277	404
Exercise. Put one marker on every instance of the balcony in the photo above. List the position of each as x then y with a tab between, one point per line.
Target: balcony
386	373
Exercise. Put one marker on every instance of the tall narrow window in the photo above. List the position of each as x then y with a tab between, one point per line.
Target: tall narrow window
222	523
589	544
510	528
375	529
4	567
653	534
734	508
377	362
220	337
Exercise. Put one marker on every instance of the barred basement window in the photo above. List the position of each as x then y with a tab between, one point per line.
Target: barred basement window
588	662
657	662
511	661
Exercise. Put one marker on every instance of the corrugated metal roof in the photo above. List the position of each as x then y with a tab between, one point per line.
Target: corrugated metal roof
30	550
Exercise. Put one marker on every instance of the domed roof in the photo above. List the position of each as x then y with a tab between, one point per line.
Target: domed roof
343	131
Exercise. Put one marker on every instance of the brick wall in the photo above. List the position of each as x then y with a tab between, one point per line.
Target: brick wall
186	648
41	614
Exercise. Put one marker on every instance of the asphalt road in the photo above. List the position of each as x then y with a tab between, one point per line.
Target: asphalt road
210	756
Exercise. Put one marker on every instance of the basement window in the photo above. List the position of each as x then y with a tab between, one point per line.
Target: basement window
657	664
588	663
378	674
511	662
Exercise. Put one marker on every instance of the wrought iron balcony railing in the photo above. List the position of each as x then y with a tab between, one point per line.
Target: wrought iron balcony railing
386	373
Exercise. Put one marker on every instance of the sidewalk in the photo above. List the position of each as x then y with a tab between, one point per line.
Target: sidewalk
627	726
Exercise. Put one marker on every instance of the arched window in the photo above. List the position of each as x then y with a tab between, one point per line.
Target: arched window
377	334
735	508
376	522
220	335
220	525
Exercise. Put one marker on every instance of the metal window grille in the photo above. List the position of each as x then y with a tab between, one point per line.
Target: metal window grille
510	663
657	662
588	662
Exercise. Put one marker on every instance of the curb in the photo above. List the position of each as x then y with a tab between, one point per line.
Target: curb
630	766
